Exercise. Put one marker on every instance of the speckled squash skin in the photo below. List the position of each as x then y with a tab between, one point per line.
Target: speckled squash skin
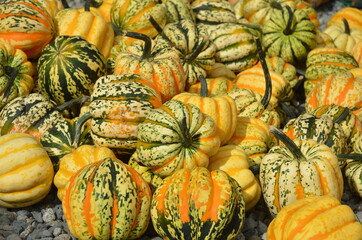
175	136
26	25
162	67
215	86
325	61
357	53
353	169
253	136
351	14
198	204
213	12
72	162
195	49
26	174
107	200
235	44
88	23
233	160
131	15
291	173
52	6
16	73
178	10
321	129
340	89
69	67
327	218
118	104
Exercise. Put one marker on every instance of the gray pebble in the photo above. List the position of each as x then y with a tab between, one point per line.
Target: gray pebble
48	215
5	233
27	231
46	233
4	220
37	216
57	231
262	227
6	227
63	237
58	211
35	234
249	223
13	237
3	210
19	226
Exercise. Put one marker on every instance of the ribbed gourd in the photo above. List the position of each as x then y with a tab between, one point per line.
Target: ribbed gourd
69	67
26	174
118	104
174	136
162	67
26	25
16	73
198	204
107	200
297	169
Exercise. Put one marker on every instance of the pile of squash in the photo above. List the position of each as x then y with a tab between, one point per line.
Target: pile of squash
182	114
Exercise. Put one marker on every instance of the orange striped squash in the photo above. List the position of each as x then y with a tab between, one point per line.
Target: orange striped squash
253	136
107	200
316	217
105	9
215	86
26	25
70	163
88	23
340	89
357	53
211	200
351	14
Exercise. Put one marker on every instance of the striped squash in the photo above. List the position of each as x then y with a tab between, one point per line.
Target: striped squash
68	68
26	174
287	70
309	10
289	34
16	74
52	6
353	169
221	108
357	53
88	23
198	204
26	25
351	14
64	137
177	10
210	12
131	15
324	61
105	9
73	161
297	169
259	11
344	37
233	160
195	49
340	89
235	44
253	136
322	129
175	136
315	217
215	86
107	200
119	103
161	67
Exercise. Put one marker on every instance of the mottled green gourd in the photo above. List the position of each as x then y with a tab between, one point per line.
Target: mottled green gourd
69	67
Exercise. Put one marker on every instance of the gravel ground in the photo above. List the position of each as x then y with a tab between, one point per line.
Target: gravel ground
45	220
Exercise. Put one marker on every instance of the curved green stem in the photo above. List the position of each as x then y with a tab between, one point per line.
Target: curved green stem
65	4
186	136
147	40
87	5
289	143
276	5
196	52
288	30
268	81
204	89
12	73
354	156
291	114
78	127
343	115
159	29
70	103
347	29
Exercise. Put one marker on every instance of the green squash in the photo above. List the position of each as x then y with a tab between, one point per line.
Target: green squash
177	10
69	67
210	12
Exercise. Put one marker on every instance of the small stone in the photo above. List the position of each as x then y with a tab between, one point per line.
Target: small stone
57	231
13	237
27	231
63	237
46	233
6	227
359	216
37	216
250	223
19	226
264	236
4	220
3	210
48	215
58	211
11	216
35	234
262	227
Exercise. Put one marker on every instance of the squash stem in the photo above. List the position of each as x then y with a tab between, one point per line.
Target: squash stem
159	29
12	73
65	4
343	115
354	156
289	143
78	128
290	113
87	5
147	40
70	103
268	83
196	52
288	30
186	136
347	29
204	89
